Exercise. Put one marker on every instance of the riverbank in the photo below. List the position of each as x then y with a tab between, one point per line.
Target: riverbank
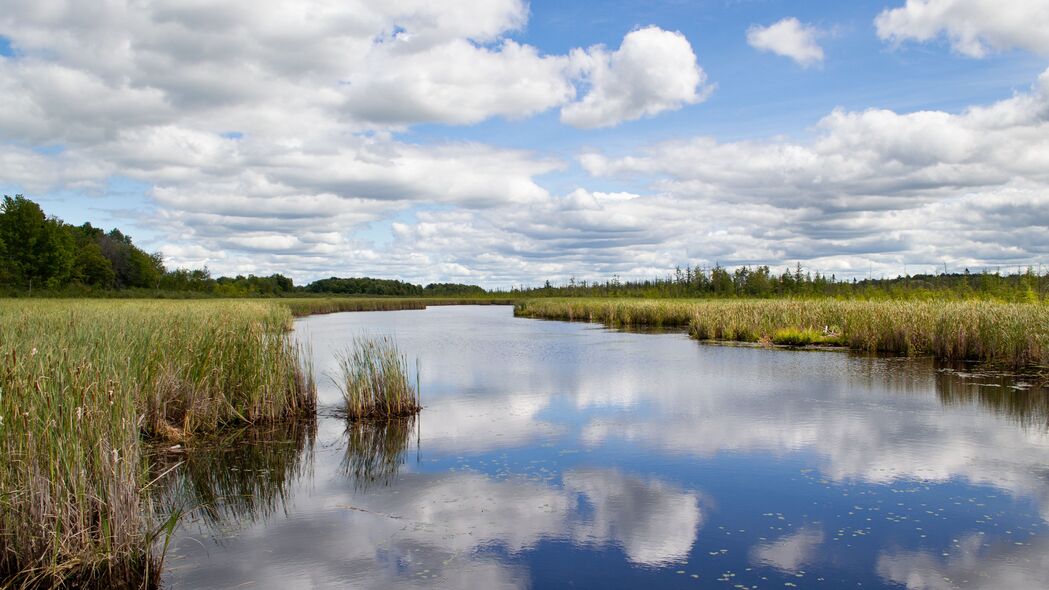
1005	333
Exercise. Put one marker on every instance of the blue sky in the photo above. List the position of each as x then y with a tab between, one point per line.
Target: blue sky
496	143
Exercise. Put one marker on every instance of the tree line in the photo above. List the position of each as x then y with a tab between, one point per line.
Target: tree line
697	282
42	253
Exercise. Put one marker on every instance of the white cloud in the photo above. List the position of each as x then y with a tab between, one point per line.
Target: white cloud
652	71
874	187
459	83
974	27
267	133
317	96
789	38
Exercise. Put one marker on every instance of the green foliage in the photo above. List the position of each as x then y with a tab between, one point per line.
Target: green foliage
452	290
91	267
364	286
38	250
42	252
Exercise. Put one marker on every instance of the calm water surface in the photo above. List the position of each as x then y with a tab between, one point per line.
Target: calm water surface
554	455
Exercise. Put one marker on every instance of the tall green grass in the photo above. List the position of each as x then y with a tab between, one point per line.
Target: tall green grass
373	378
322	305
1010	333
81	381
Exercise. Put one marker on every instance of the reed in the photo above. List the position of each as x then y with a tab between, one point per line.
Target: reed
81	381
374	380
322	305
1015	334
805	337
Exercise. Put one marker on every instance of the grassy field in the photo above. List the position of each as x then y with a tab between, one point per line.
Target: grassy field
1008	333
83	381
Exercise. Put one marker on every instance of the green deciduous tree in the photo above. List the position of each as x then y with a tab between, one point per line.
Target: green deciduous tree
38	250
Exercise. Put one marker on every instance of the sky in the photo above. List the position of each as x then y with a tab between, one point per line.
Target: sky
502	142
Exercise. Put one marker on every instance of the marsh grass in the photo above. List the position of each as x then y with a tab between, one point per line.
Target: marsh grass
82	381
1015	334
323	305
805	337
303	306
374	380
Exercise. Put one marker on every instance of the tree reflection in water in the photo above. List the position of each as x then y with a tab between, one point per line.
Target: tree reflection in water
1023	398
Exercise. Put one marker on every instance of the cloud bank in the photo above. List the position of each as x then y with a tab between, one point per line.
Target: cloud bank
273	138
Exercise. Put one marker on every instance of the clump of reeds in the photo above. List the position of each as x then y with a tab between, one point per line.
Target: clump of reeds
374	380
82	381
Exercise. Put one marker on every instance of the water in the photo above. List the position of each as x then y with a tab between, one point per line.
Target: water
553	454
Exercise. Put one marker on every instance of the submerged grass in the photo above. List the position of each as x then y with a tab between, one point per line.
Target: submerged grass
1015	334
374	380
81	381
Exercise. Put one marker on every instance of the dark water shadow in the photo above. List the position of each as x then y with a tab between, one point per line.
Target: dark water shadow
1022	397
237	477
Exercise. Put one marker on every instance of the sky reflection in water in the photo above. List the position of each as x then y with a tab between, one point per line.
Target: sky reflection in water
552	454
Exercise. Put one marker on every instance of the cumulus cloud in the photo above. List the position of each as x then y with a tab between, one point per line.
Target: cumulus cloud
271	138
973	27
886	185
268	134
651	72
789	38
